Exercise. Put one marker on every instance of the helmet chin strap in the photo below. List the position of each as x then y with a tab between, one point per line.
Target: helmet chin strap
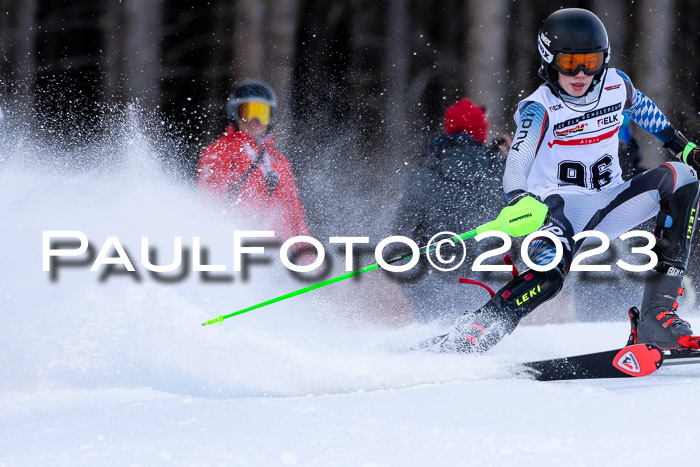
563	94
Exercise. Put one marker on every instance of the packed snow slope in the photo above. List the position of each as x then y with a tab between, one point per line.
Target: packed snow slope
113	368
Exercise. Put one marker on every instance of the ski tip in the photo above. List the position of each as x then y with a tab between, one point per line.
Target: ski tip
639	359
630	361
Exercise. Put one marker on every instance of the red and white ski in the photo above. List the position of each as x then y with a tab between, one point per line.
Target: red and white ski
631	361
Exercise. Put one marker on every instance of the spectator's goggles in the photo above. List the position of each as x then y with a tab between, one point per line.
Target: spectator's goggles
571	64
247	111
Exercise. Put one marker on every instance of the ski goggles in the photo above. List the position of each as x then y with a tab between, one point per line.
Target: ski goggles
571	64
247	111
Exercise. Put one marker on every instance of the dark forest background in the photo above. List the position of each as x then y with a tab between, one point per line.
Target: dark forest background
361	84
378	72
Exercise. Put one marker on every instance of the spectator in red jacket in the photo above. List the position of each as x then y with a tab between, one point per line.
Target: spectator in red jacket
243	169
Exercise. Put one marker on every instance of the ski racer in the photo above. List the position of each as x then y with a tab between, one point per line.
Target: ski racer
243	169
565	154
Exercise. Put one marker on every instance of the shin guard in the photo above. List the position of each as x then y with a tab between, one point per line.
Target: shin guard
658	321
480	330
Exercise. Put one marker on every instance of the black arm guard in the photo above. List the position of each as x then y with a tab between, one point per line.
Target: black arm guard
674	229
676	143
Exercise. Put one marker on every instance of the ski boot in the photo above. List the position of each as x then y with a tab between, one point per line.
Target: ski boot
478	331
684	343
657	322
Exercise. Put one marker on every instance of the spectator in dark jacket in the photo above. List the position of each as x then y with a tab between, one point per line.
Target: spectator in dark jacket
456	188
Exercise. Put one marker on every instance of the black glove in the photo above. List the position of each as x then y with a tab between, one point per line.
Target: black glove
691	156
684	150
517	195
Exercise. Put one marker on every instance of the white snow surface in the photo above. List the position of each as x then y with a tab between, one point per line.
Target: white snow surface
120	372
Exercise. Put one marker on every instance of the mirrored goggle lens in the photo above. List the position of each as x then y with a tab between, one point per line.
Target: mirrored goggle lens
250	110
570	64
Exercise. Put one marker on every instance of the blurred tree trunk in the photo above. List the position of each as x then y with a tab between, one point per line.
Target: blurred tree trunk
487	71
265	45
112	59
280	53
524	60
652	70
366	57
142	51
7	35
396	76
613	14
249	40
216	76
19	43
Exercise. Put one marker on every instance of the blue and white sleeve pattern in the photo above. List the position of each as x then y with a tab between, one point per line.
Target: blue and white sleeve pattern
644	112
532	127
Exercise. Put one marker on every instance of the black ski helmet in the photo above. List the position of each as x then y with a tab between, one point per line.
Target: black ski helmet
251	91
573	31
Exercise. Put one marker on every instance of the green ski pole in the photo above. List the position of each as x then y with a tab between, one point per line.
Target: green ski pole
522	218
